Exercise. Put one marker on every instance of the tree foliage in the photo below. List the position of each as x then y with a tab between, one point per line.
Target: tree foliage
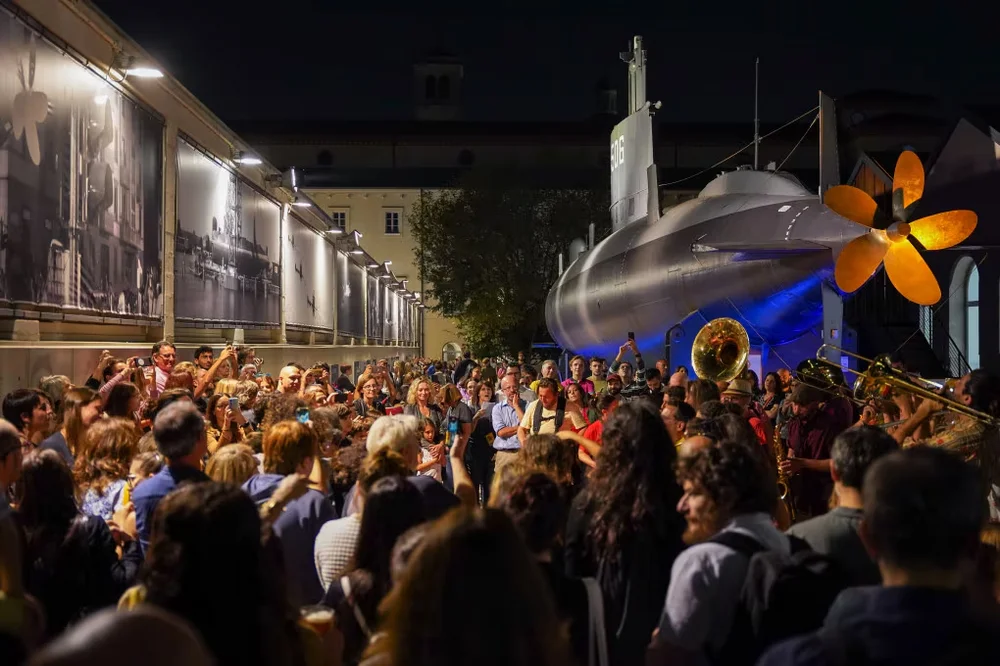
489	252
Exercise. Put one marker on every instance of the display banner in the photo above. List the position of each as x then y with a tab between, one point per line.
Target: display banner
376	297
80	188
226	257
308	269
350	297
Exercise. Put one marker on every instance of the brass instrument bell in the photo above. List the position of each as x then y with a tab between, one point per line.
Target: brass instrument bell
721	350
823	376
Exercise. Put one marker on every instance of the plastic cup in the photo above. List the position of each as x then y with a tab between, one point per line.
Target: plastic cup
318	617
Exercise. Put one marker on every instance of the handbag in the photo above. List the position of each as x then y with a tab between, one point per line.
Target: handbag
598	643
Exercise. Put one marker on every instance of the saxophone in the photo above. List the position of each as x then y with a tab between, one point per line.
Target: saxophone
786	507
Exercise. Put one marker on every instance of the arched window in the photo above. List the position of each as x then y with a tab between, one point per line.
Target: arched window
972	318
430	86
451	351
963	316
444	87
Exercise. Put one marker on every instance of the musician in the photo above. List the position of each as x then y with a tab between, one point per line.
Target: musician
811	431
740	392
977	441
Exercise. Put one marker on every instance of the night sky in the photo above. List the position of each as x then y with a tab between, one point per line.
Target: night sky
300	60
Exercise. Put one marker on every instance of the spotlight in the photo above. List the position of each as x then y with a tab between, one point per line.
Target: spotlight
248	160
144	72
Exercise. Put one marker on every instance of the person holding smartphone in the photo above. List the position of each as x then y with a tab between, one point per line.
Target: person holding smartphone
225	421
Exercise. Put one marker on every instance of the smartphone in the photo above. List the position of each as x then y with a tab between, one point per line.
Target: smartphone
143	362
302	415
631	335
234	403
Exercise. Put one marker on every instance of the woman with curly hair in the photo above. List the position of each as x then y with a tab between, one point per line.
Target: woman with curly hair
553	456
102	470
624	528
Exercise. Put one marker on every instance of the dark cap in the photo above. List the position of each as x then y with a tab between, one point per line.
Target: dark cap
803	394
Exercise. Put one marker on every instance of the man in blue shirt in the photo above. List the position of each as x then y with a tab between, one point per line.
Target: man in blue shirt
179	431
507	416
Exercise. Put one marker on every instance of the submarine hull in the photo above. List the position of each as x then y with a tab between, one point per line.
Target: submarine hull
760	259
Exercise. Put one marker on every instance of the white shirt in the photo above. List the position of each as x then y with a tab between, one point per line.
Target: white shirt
705	584
335	546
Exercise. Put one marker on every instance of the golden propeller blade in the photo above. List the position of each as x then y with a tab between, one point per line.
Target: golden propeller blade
944	230
909	177
852	203
911	275
859	260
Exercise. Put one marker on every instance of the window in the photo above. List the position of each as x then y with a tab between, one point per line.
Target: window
927	323
963	316
392	219
444	87
430	87
972	318
339	218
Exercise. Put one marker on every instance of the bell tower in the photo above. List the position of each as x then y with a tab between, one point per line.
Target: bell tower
437	87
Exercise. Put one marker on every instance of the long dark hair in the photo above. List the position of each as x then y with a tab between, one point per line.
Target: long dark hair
47	499
469	555
392	506
633	489
779	392
58	564
242	615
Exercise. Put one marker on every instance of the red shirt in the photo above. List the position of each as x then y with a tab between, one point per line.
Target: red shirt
813	438
594	431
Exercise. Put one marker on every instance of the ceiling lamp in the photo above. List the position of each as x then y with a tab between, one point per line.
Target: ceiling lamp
144	72
246	159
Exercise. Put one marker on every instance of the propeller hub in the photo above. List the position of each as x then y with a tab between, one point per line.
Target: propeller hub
898	231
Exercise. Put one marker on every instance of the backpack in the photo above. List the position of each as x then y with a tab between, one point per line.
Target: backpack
560	416
781	597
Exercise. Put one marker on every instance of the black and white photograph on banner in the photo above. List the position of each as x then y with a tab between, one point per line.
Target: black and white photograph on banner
226	261
80	211
376	321
350	297
308	269
388	314
404	320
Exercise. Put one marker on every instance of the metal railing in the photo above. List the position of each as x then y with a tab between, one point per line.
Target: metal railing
954	362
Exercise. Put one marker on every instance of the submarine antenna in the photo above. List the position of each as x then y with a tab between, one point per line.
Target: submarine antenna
756	116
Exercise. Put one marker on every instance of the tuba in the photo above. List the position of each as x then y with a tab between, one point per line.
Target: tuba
721	352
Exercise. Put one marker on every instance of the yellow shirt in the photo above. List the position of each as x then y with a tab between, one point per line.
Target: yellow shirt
548	426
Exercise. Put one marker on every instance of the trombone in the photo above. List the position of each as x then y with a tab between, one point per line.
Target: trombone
824	376
881	381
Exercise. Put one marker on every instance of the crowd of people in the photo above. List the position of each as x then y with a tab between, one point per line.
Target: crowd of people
483	512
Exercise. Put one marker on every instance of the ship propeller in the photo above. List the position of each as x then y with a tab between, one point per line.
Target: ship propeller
890	238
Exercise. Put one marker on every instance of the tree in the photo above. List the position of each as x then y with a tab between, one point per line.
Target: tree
489	253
